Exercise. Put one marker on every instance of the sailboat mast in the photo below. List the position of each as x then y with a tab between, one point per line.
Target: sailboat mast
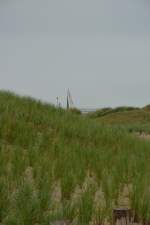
67	101
70	103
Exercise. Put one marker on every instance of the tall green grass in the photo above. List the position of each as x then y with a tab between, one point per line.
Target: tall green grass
54	163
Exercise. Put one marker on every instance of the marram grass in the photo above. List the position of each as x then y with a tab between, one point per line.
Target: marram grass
55	165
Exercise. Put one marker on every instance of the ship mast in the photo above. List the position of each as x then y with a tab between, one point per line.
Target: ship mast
70	103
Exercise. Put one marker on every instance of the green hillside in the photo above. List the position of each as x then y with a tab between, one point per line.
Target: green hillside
130	118
56	165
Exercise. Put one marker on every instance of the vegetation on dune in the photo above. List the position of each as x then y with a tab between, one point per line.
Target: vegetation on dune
75	111
56	165
107	111
130	118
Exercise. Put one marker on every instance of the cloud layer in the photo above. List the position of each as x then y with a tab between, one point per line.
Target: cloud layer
99	48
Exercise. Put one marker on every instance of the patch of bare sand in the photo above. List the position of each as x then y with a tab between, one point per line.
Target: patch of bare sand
124	196
142	135
56	195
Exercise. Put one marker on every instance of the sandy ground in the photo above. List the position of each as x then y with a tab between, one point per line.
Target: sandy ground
142	135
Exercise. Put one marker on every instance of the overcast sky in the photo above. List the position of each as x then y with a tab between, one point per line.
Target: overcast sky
100	49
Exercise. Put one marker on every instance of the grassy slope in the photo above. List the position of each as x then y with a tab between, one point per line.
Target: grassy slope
57	165
134	120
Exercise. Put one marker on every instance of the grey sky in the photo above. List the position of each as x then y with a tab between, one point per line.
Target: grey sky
100	49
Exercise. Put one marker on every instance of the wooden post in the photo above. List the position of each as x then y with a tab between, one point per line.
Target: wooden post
123	215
